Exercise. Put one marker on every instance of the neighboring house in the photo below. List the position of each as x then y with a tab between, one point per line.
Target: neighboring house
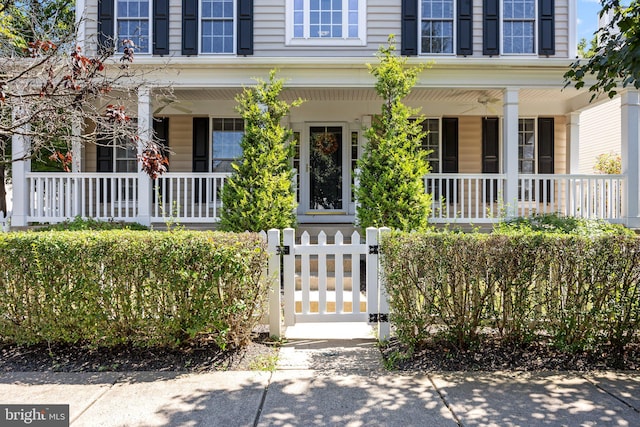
504	134
599	133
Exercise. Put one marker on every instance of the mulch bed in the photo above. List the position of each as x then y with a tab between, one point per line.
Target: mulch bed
494	355
204	356
196	357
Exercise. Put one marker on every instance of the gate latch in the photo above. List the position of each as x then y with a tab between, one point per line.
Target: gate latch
378	317
374	249
283	250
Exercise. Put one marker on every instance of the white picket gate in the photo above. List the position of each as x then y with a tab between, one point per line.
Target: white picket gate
322	281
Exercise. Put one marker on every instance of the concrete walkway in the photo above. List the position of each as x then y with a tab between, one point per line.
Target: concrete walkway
333	382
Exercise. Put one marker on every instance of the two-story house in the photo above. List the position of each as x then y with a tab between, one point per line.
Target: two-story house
504	133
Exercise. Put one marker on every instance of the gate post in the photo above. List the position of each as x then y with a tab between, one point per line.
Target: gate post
384	325
273	242
289	273
372	276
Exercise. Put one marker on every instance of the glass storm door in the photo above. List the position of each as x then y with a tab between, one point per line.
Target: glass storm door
326	168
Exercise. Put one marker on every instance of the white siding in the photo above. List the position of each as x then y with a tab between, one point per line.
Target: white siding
599	133
383	19
560	145
562	29
470	144
180	143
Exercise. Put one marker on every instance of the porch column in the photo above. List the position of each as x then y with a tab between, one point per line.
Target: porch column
76	163
573	143
76	144
80	24
145	132
630	135
510	150
19	168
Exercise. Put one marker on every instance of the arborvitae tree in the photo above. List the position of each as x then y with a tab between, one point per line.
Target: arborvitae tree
391	190
260	194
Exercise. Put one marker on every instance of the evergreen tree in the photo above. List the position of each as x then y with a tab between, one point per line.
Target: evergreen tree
260	193
391	190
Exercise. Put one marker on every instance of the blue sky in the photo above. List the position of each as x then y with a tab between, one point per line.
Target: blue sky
587	18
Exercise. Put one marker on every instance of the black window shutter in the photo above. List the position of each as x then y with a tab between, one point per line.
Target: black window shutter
546	28
491	27
161	27
465	27
450	145
450	157
491	155
189	27
545	145
545	155
245	27
200	144
106	26
409	43
104	157
161	132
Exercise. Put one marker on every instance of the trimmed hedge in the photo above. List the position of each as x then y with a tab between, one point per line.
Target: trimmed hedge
145	288
579	291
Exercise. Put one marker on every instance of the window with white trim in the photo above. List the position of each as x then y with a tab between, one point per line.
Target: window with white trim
526	158
431	142
526	146
133	22
326	22
518	26
226	137
217	26
437	26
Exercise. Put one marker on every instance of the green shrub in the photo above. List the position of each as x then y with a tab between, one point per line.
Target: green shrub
555	223
80	224
145	288
260	193
580	291
391	190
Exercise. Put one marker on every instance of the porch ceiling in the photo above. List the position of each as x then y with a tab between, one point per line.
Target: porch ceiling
461	101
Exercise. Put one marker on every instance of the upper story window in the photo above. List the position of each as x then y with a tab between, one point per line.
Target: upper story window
217	26
436	29
518	26
326	22
134	23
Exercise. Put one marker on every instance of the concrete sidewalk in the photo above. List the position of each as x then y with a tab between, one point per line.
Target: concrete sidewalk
336	382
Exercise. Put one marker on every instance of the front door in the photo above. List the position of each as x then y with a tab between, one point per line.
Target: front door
326	166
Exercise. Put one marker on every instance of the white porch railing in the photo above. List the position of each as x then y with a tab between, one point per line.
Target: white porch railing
583	196
465	197
188	197
478	198
55	197
196	198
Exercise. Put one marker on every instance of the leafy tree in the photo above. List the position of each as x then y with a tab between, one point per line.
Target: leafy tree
615	64
391	173
48	84
585	52
260	194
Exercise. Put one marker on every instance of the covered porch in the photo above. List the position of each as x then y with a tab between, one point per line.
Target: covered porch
505	144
